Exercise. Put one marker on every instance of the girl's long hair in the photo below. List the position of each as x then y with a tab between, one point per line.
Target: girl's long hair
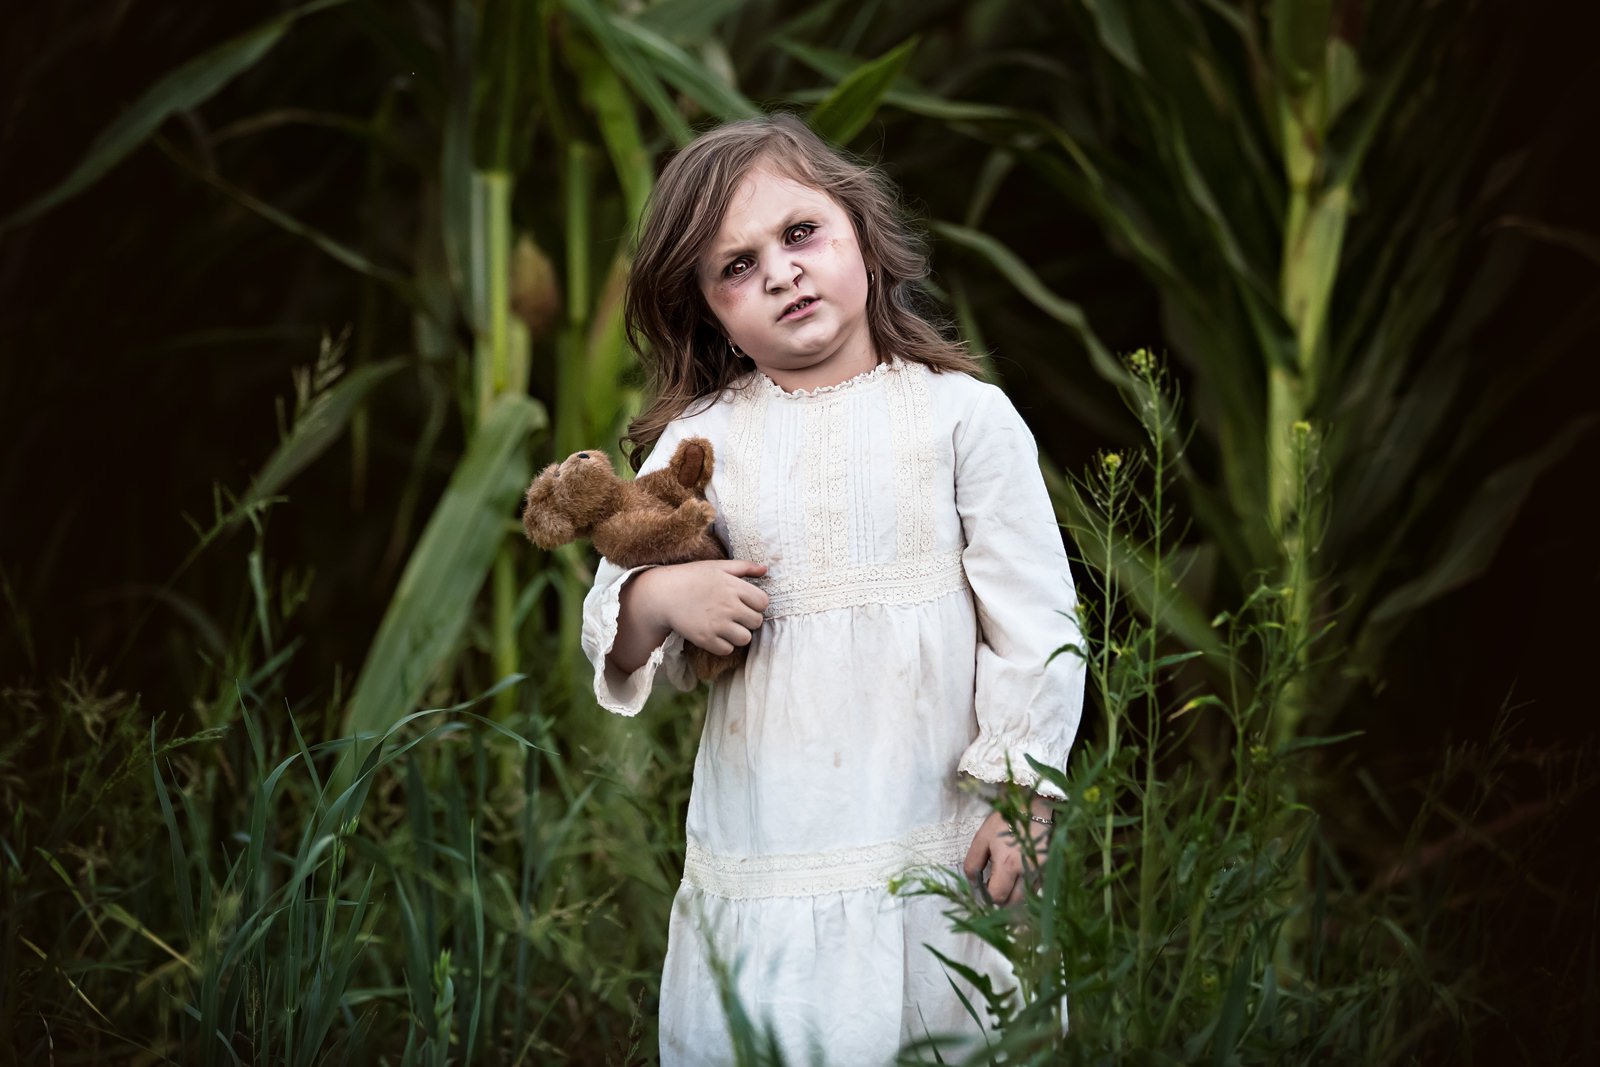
667	320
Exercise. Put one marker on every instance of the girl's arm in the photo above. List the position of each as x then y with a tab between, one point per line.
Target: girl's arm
708	603
639	631
1030	683
636	620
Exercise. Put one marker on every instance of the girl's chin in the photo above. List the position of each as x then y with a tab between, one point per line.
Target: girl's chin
796	359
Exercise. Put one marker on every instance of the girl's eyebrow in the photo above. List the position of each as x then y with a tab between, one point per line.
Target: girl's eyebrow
793	219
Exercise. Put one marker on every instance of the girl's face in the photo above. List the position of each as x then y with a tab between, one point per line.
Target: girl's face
780	241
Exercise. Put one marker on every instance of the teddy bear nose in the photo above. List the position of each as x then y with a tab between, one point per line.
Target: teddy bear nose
583	455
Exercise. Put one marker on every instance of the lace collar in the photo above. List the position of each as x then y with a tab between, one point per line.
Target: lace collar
865	376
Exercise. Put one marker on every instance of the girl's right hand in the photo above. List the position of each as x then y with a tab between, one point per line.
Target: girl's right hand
708	601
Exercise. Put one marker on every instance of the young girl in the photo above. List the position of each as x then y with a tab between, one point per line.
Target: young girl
896	572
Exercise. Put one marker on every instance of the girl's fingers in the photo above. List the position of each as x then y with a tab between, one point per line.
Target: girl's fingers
754	596
735	633
977	855
743	568
1001	883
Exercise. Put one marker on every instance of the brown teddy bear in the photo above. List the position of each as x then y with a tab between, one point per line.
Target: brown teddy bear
660	517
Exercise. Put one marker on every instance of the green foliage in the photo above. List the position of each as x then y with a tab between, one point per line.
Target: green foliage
440	585
188	86
850	106
472	895
1306	203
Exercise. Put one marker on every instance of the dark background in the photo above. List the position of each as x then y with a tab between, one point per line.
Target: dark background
141	366
148	326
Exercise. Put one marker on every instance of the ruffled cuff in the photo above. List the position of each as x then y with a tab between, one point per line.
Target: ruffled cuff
985	760
625	694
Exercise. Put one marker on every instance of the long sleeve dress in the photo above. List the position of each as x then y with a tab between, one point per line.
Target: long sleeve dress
918	586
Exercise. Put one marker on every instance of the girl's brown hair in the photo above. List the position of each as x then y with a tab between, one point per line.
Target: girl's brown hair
666	317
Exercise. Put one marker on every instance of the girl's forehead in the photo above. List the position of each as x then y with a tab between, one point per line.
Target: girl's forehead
762	202
773	183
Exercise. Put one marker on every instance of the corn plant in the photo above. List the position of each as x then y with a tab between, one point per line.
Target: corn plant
1306	190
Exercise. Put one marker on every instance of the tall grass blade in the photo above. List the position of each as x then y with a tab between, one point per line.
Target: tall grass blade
316	428
180	854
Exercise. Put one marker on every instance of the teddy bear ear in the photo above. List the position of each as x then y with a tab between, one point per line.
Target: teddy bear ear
691	462
542	519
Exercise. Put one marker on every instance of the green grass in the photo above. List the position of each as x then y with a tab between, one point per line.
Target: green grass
484	891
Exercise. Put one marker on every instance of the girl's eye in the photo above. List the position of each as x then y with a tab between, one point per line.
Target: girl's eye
809	227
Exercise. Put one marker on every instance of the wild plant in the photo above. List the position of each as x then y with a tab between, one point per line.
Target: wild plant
1177	914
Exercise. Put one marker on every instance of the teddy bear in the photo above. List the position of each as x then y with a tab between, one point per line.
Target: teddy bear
661	517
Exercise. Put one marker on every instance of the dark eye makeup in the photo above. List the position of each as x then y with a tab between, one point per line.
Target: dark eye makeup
809	227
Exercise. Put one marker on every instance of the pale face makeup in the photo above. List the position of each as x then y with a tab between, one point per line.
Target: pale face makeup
781	240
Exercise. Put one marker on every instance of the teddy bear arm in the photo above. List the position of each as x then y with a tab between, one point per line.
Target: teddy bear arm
662	485
634	538
545	522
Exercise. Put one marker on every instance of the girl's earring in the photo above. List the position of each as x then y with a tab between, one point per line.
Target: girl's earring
734	349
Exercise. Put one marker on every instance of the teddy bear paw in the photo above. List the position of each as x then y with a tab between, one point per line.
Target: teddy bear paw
698	512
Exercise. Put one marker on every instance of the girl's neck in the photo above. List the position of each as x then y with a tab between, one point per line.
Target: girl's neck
827	373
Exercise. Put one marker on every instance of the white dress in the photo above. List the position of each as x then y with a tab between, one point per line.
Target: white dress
918	587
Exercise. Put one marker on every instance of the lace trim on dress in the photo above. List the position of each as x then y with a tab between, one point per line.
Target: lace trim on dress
808	874
742	462
895	582
773	388
985	760
911	433
826	485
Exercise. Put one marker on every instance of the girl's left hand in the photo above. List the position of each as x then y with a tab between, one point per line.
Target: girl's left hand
995	846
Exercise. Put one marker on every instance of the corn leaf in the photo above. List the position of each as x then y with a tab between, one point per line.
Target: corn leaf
440	585
687	21
856	98
187	87
1481	525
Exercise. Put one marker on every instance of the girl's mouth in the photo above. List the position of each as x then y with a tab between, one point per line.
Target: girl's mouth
803	310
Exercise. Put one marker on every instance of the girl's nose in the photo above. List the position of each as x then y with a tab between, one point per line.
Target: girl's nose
791	271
